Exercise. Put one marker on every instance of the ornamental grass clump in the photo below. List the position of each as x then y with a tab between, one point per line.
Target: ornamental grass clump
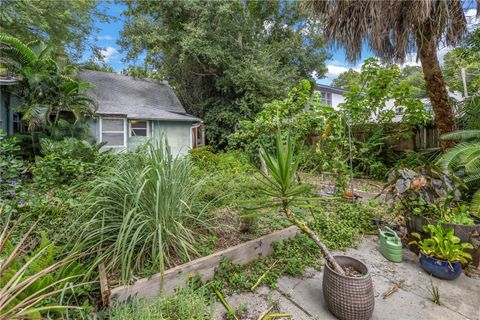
145	213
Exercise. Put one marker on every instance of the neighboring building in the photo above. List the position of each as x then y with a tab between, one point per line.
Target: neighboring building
131	111
331	96
8	118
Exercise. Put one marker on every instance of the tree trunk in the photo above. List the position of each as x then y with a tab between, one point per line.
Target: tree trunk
435	85
323	248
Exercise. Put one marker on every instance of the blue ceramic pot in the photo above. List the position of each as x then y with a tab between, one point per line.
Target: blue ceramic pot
440	268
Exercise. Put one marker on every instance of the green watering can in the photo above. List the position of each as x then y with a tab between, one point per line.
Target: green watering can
390	244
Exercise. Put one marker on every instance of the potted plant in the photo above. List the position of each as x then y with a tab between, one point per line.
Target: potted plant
443	253
347	284
428	195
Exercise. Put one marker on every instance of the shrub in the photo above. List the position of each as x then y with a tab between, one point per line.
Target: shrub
65	162
145	212
227	175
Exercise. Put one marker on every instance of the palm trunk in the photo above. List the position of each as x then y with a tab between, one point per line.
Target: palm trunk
323	248
435	85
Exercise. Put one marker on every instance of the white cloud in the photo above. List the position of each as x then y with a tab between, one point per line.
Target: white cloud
105	37
108	53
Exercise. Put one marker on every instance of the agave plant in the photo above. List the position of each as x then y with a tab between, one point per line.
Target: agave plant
464	161
283	191
28	279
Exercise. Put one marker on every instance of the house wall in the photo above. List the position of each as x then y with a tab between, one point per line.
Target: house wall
336	98
3	111
6	118
178	135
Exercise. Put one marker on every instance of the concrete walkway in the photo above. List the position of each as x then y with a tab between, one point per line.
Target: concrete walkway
303	298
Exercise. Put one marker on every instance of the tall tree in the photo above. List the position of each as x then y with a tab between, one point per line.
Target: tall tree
225	59
65	24
346	78
392	29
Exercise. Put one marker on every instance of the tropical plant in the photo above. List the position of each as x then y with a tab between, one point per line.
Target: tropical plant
283	191
424	24
443	244
464	161
145	212
31	278
47	87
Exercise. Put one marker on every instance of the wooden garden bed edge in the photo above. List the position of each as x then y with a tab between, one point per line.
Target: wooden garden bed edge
242	253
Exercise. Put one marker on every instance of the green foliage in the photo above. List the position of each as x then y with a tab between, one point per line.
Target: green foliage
288	115
463	160
66	162
368	156
94	65
443	244
226	59
346	79
340	224
368	99
228	176
290	257
68	24
46	88
184	304
145	213
36	279
11	165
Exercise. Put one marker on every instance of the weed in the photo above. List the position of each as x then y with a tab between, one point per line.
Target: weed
434	292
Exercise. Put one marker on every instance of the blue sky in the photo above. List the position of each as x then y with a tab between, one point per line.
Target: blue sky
109	33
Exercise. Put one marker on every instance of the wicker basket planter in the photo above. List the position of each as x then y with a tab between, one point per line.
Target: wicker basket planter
349	298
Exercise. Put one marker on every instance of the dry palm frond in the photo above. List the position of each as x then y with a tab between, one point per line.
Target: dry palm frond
391	28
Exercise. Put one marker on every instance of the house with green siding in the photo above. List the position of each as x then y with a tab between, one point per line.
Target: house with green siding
129	112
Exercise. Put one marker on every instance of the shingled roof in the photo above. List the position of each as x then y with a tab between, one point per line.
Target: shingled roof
134	98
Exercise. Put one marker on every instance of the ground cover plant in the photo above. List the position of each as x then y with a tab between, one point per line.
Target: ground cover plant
186	303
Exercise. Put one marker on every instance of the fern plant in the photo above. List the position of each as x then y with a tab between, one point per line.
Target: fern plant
464	161
32	280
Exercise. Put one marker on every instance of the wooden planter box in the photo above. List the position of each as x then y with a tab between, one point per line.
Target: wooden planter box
205	267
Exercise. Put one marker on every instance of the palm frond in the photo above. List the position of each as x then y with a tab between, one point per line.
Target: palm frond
462	135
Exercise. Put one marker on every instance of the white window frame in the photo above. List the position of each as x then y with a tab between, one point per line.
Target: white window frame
325	99
123	132
130	128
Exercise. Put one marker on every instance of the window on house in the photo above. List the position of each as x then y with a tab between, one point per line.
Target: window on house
138	128
327	98
113	132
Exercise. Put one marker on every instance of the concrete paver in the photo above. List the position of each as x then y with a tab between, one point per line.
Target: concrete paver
303	297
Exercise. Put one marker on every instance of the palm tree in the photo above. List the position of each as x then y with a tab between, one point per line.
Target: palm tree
392	29
464	161
47	85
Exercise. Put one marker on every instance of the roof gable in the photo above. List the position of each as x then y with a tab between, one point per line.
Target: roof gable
134	97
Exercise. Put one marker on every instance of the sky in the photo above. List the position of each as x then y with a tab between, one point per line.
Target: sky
109	34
